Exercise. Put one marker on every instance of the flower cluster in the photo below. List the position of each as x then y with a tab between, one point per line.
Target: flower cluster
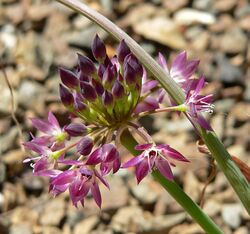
104	98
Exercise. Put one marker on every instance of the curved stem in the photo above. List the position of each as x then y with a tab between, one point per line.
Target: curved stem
176	192
217	149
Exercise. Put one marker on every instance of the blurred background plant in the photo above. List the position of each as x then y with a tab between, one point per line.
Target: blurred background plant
38	36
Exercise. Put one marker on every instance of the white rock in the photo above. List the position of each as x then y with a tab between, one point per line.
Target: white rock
163	30
231	214
189	16
7	36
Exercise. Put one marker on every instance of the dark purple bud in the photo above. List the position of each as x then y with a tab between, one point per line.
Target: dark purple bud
122	51
76	129
98	87
85	146
68	78
118	89
109	75
107	98
129	74
88	91
98	49
66	96
86	65
83	77
101	70
107	62
133	62
79	105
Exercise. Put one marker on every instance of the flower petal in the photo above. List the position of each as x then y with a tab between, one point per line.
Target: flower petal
142	170
95	157
41	125
96	194
169	151
164	168
143	146
203	122
133	162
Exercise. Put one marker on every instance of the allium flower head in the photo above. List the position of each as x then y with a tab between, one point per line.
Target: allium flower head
104	97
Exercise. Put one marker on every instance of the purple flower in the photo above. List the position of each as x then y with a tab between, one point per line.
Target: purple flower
108	158
43	164
54	133
80	182
182	69
160	157
197	103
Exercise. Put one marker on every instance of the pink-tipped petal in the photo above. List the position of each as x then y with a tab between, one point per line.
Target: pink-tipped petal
132	162
148	104
204	123
96	194
179	61
164	168
52	119
95	157
169	151
142	170
162	61
64	178
200	85
149	85
102	179
41	125
143	146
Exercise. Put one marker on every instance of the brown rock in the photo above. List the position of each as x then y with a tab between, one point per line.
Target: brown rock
238	113
224	6
54	212
24	215
116	197
174	5
85	226
163	30
234	41
14	161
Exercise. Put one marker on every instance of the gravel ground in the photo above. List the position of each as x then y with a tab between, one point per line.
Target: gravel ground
38	36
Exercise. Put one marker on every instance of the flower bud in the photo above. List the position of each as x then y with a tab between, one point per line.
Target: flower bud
129	74
122	51
134	62
107	98
98	87
118	89
88	91
98	49
109	75
66	96
68	78
76	129
86	65
101	70
83	77
79	104
85	146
